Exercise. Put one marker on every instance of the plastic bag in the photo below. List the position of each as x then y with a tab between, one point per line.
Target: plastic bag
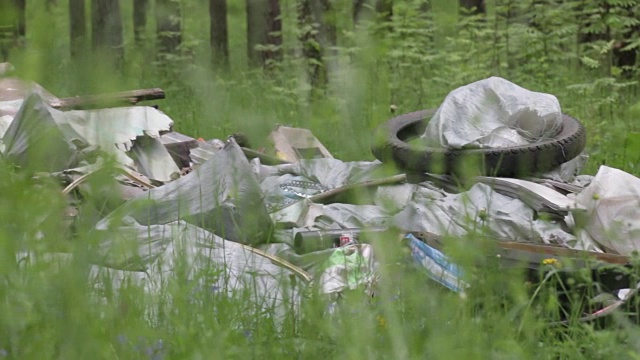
493	113
222	196
613	199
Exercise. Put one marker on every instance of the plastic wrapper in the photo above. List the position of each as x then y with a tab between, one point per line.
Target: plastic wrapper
222	196
493	113
613	202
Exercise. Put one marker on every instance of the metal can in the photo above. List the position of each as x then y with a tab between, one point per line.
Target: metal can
344	239
316	240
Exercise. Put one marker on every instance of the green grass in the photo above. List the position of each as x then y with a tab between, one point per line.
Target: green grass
50	310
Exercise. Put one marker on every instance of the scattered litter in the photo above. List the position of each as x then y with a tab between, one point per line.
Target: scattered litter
265	217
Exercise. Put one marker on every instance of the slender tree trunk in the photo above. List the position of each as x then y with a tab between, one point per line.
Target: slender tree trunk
140	8
256	34
274	27
168	19
384	8
77	27
361	10
476	7
21	6
314	41
263	29
106	29
219	36
327	18
425	6
308	38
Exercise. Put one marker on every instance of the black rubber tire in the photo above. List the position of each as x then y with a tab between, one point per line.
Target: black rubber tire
390	145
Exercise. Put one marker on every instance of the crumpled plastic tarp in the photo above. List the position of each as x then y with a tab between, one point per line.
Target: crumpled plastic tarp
418	207
479	210
40	138
49	140
493	113
154	256
8	110
222	195
613	202
285	184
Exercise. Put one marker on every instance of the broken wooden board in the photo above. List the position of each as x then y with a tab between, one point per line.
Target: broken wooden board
533	255
131	97
293	144
179	146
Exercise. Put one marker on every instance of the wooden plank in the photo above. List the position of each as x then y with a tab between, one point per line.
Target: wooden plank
557	251
264	158
103	100
518	251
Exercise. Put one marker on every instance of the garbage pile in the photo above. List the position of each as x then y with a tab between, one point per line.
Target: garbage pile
270	222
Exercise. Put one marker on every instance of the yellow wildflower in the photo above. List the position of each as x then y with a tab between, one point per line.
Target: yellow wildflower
551	261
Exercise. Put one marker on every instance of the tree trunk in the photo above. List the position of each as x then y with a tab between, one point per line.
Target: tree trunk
263	29
106	30
77	27
316	38
219	37
310	45
274	26
384	8
360	11
168	29
140	8
474	7
327	18
21	9
425	6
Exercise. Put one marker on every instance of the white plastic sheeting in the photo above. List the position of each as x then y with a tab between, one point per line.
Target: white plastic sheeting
493	113
480	210
415	207
8	110
222	195
215	262
613	202
153	257
51	139
39	137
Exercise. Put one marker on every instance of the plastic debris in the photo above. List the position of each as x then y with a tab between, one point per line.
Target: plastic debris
293	144
612	200
221	195
493	113
436	265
